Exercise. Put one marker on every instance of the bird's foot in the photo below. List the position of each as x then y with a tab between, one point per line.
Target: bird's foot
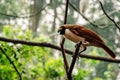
78	45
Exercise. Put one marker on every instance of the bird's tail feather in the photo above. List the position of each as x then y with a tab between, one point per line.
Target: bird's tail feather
110	52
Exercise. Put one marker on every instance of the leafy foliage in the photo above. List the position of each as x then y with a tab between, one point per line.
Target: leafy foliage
32	62
81	74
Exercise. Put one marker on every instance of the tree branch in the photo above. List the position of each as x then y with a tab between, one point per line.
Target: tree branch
109	16
64	56
74	58
82	15
16	16
49	45
11	62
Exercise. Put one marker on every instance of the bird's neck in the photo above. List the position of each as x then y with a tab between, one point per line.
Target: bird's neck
62	31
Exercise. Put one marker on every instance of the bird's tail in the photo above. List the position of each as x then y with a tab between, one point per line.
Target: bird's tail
110	52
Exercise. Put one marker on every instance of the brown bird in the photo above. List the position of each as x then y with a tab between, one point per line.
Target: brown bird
77	33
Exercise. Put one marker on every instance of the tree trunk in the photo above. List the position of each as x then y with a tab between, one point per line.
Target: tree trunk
35	10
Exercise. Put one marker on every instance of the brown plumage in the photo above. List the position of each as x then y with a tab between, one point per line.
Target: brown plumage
88	37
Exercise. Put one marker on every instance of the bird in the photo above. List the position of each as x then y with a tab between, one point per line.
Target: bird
77	33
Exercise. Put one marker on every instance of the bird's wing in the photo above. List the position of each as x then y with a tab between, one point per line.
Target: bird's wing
87	34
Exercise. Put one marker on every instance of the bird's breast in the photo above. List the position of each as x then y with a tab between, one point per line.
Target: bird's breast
71	36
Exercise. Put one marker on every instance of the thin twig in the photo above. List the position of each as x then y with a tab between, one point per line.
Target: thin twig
66	11
64	56
109	16
29	16
49	45
82	15
102	16
63	40
11	62
74	58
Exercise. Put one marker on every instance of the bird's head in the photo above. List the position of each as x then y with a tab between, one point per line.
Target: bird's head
61	30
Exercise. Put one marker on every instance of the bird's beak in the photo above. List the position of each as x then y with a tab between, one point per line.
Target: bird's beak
59	29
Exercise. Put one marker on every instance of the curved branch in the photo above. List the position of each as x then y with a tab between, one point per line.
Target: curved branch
82	15
49	45
109	16
11	62
16	16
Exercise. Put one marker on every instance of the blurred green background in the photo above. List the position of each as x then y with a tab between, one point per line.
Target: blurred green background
38	20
